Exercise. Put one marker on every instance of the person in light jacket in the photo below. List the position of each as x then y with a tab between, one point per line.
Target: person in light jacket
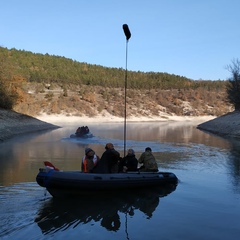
89	161
148	161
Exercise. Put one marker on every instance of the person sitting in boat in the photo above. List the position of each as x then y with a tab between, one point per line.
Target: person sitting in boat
86	129
89	161
129	163
148	161
78	131
82	130
108	162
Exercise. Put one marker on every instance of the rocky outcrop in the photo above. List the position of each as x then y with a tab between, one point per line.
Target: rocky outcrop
13	124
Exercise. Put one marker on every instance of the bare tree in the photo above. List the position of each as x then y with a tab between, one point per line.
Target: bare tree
233	86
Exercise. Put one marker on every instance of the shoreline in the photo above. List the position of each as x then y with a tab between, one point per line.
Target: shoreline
227	126
13	124
54	119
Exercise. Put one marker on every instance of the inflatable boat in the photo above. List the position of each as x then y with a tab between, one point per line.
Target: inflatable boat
69	183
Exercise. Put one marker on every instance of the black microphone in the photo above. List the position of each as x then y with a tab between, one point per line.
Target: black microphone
126	31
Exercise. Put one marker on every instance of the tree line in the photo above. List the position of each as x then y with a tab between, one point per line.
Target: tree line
35	67
19	66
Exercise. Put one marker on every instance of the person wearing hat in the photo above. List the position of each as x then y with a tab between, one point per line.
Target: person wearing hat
129	163
108	162
89	161
148	161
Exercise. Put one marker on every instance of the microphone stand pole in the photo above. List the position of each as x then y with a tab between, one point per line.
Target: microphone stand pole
128	35
125	102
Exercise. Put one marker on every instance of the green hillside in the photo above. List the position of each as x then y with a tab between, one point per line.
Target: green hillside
33	83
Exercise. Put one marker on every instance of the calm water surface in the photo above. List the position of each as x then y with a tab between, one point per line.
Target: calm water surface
204	205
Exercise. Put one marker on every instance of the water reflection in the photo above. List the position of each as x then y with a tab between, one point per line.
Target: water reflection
56	214
234	165
208	168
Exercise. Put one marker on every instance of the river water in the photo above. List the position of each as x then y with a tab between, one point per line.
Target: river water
204	205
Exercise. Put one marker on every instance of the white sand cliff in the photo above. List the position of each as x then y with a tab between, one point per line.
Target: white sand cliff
55	119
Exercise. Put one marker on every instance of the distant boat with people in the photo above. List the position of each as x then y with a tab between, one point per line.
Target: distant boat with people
82	132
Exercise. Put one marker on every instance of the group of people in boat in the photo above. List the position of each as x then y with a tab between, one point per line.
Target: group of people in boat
82	131
111	162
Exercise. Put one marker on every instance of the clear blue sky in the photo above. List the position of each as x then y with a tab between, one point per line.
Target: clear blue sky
192	38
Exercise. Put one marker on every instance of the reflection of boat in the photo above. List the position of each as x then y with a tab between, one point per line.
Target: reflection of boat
82	132
69	183
58	215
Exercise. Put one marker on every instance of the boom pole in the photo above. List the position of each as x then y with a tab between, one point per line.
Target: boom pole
128	35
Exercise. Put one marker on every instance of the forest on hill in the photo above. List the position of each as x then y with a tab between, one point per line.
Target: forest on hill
35	83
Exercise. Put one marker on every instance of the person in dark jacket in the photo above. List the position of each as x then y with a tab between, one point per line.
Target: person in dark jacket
108	162
129	162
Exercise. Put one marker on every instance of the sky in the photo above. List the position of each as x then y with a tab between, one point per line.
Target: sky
196	39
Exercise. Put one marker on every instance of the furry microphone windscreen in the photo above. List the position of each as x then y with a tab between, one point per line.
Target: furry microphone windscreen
126	31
